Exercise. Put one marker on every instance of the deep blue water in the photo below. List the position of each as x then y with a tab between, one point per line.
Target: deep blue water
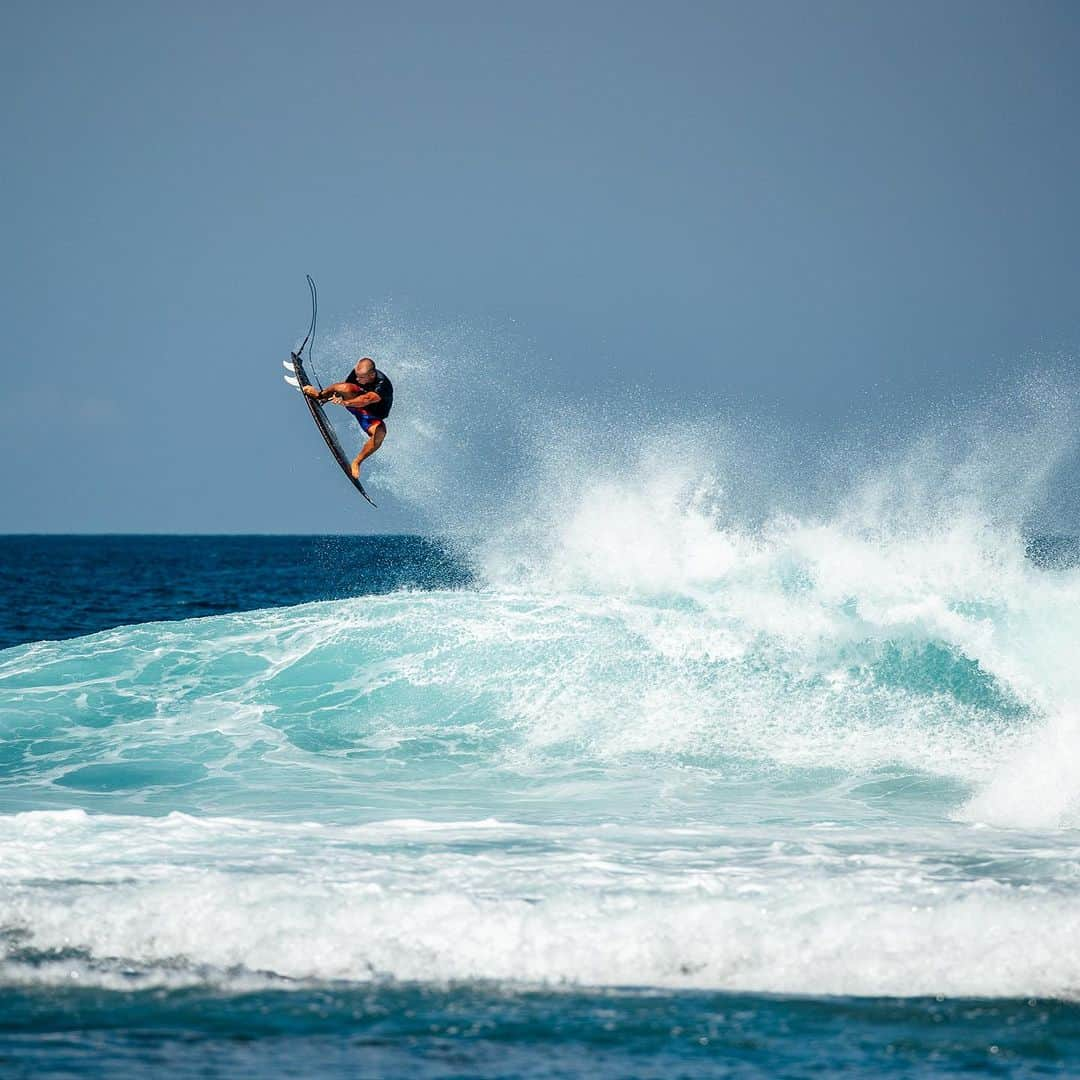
330	806
63	586
473	1030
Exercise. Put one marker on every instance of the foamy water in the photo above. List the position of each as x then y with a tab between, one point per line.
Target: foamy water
802	759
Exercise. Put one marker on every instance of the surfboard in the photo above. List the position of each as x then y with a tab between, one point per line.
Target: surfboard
300	379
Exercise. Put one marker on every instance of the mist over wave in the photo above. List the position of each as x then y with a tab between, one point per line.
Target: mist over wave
907	540
498	447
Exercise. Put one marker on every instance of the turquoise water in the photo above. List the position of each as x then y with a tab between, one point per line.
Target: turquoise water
772	802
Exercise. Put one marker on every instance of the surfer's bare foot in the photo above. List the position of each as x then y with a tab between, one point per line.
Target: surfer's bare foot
354	468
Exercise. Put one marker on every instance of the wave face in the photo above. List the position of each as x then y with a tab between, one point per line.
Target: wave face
809	757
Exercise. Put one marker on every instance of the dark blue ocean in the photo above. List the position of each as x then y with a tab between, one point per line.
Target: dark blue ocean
67	586
795	804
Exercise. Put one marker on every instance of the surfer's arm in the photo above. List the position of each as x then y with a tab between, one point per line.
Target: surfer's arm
351	398
360	401
338	389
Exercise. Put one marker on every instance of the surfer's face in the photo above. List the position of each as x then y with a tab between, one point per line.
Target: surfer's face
364	373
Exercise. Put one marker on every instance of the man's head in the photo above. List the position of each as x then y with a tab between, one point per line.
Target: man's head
364	370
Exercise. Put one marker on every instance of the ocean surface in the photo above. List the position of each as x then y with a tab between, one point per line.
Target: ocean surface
680	801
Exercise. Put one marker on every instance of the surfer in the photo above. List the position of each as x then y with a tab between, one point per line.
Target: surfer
369	395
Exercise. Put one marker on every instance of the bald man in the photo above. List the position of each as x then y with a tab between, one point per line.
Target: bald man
369	395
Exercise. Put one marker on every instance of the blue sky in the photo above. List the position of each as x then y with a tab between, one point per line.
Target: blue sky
823	211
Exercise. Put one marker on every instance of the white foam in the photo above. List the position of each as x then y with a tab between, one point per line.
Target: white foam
117	901
1039	786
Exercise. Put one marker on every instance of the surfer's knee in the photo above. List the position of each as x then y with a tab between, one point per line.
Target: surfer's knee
378	433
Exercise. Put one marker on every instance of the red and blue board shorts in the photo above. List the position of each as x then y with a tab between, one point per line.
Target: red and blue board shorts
366	420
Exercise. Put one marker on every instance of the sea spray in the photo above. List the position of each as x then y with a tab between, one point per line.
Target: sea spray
907	539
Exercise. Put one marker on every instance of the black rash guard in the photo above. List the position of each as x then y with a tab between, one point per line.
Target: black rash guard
383	387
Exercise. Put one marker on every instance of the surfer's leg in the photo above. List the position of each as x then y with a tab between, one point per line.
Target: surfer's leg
376	434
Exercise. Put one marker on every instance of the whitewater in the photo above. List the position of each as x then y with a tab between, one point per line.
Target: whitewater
661	744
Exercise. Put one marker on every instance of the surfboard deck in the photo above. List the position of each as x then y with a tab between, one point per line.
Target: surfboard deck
317	414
